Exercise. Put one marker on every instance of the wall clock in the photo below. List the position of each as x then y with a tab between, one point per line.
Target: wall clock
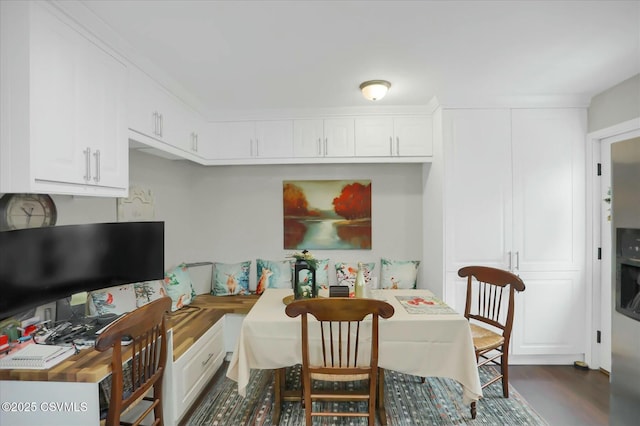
20	211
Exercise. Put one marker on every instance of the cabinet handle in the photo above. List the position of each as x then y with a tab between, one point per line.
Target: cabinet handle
155	122
97	156
319	147
197	142
87	164
509	254
161	125
398	145
206	361
391	145
517	261
326	147
257	148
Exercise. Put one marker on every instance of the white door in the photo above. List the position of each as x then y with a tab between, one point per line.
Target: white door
478	188
549	188
308	137
339	137
274	139
374	137
413	136
57	150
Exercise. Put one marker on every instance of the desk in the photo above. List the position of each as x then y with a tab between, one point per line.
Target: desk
427	345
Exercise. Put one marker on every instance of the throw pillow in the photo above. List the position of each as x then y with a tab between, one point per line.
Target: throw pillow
398	273
322	273
346	274
148	291
114	300
273	274
230	278
177	285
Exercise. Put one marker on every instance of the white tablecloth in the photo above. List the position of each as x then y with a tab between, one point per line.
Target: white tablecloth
427	345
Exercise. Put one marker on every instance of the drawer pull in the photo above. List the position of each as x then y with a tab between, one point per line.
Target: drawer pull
206	361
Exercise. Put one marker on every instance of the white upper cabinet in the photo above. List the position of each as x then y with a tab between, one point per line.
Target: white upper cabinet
324	138
393	136
253	139
63	122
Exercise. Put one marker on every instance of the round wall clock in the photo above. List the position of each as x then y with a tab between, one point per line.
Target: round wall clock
20	211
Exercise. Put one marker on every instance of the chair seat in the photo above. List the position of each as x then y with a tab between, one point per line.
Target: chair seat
339	377
484	339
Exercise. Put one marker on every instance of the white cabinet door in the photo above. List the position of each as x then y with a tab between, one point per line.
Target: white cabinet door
234	140
105	121
339	137
413	136
393	136
57	151
549	189
374	137
308	138
478	182
274	139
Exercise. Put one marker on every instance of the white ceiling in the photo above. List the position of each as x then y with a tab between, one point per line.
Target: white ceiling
260	55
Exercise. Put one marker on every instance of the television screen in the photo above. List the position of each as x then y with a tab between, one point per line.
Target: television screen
41	265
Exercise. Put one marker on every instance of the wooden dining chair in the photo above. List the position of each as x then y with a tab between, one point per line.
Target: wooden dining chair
489	309
148	354
345	341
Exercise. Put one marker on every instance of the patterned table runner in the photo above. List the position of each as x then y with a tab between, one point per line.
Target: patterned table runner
424	305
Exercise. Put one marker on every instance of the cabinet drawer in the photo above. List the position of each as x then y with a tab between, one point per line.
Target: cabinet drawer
196	367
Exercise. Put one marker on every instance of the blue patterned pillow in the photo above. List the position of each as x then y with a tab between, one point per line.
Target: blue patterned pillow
177	285
273	274
398	273
346	274
114	300
322	273
230	278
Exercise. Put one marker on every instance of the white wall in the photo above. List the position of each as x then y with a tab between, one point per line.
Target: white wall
615	105
237	211
234	213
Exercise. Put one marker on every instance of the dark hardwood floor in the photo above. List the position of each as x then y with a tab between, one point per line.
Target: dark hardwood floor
562	394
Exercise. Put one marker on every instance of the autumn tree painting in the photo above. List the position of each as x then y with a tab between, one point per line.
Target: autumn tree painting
327	214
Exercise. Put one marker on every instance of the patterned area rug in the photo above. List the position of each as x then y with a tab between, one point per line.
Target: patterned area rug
407	401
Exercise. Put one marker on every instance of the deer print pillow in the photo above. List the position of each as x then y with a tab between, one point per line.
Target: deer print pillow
230	278
396	274
273	274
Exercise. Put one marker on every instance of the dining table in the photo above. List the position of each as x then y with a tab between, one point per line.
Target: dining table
424	337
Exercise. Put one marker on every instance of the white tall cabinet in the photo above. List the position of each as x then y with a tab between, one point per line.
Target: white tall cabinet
514	199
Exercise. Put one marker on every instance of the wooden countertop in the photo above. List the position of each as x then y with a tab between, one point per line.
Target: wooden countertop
188	325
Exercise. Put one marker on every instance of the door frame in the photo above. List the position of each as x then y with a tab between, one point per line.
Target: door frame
593	228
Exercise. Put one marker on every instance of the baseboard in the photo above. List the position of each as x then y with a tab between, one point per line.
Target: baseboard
545	359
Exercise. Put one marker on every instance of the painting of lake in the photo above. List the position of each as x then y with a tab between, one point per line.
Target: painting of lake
327	214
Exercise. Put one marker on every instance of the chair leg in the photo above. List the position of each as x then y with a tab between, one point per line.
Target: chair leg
504	369
157	395
306	386
373	387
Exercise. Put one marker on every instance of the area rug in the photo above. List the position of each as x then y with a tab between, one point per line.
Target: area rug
408	402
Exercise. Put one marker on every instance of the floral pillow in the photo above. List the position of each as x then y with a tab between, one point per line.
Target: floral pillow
396	274
346	274
230	278
273	274
114	300
177	285
148	291
322	273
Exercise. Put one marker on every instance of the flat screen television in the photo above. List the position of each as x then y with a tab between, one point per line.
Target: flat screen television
41	265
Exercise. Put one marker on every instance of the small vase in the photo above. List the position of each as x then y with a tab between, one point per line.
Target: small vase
304	281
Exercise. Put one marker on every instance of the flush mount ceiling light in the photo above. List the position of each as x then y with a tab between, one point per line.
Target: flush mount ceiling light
375	89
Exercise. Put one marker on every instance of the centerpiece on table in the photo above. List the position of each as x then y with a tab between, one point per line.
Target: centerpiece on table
304	275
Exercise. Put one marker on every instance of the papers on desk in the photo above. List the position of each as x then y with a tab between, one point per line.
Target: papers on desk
424	305
37	357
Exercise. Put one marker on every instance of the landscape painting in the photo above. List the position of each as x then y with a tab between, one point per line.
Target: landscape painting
327	214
